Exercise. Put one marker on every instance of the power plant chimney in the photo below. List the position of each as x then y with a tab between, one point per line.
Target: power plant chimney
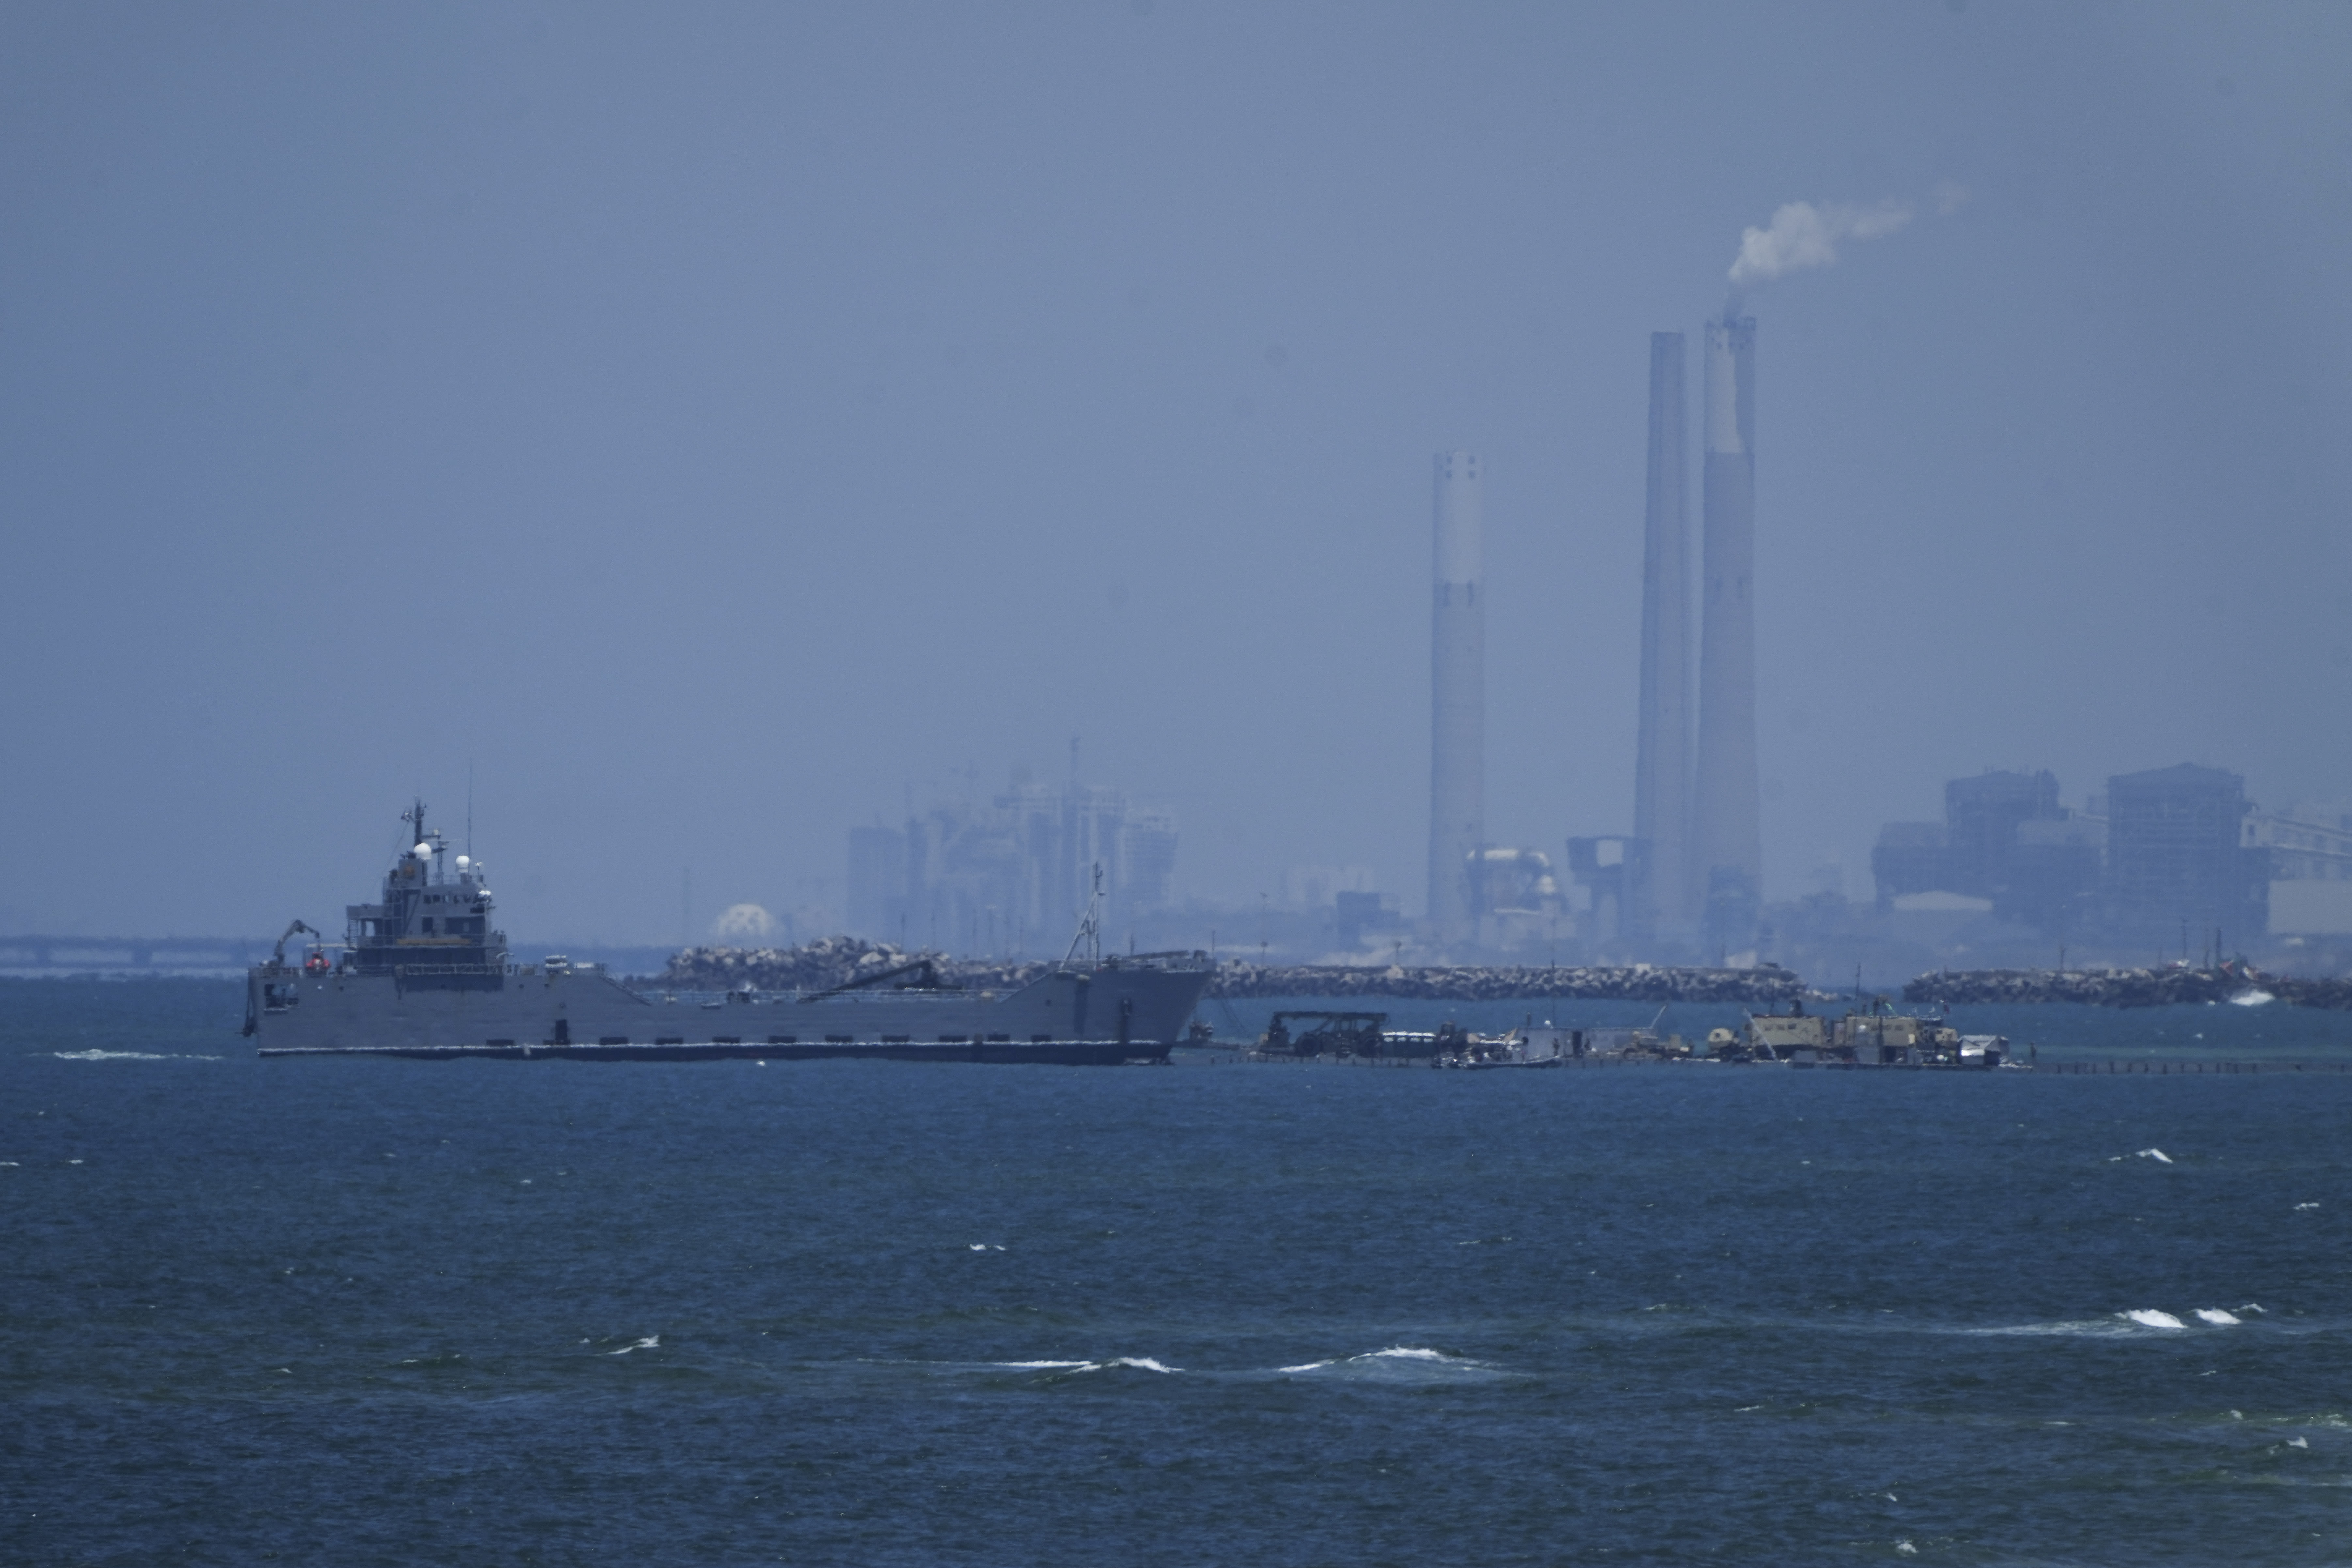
1661	898
1457	728
1728	860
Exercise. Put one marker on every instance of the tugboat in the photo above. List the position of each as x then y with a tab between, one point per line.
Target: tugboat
424	971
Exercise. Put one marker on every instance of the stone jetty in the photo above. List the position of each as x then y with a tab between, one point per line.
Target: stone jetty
1765	986
2171	985
839	960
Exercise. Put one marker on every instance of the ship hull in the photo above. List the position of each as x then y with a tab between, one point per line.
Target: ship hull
1060	1053
1107	1015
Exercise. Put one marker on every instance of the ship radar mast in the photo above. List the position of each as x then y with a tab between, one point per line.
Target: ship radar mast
424	845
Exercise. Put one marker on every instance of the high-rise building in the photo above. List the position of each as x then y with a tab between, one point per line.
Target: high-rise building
2004	838
1659	901
1457	773
878	880
1981	816
1147	861
1910	857
1727	858
2177	863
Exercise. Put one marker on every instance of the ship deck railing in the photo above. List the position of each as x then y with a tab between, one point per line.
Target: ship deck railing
738	999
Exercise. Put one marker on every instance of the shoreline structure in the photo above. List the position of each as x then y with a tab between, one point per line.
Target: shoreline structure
2170	986
836	961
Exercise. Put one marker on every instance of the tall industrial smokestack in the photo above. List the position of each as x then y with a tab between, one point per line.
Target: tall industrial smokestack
1661	780
1457	728
1728	862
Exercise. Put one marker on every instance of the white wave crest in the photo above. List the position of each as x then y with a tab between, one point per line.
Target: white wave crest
1410	1362
2216	1315
98	1056
1135	1363
2158	1155
651	1341
2149	1318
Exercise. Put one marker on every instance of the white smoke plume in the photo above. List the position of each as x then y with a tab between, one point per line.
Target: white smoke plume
1801	234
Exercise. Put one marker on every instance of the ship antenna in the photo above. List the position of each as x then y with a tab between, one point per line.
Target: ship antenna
469	808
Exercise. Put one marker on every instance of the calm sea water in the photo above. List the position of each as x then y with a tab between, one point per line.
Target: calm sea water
396	1313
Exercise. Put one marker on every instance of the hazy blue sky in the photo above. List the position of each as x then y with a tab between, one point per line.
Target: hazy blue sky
709	421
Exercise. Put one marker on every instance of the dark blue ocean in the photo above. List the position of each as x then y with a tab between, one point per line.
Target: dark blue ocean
378	1311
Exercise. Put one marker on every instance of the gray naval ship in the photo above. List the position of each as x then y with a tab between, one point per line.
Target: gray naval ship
424	973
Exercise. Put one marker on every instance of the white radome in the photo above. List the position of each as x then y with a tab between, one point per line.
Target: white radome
742	921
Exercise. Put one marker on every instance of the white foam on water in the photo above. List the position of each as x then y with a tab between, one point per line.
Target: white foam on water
2298	1442
98	1056
985	1246
2216	1315
2122	1325
2300	1207
1135	1363
2149	1318
1414	1363
2251	998
650	1341
2158	1155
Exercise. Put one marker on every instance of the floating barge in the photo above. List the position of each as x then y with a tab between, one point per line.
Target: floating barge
1875	1038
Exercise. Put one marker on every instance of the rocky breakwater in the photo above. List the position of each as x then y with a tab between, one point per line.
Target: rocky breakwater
2170	985
841	961
1764	987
